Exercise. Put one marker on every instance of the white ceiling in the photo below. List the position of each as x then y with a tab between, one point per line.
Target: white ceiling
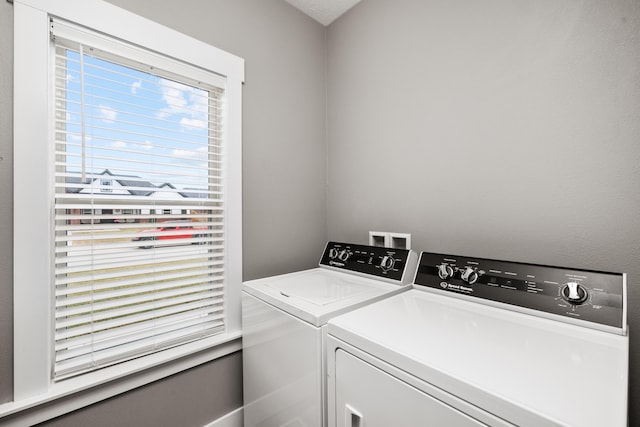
323	11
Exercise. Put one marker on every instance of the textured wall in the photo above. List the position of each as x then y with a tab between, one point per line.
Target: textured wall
504	129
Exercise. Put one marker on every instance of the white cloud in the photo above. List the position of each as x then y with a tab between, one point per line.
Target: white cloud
147	145
189	102
107	114
135	86
183	153
78	138
118	144
193	123
174	95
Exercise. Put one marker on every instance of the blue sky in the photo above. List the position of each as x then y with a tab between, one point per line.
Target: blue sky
172	120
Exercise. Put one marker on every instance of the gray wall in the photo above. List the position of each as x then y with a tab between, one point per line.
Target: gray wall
284	170
185	400
504	129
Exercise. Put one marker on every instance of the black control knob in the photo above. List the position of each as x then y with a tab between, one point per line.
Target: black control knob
344	255
445	271
387	263
469	275
575	293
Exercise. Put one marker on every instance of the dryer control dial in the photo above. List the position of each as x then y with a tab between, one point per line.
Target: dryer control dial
470	275
445	271
575	293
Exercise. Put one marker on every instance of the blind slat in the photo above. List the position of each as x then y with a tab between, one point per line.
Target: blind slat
155	233
100	288
195	284
186	154
135	302
134	349
67	202
86	228
107	324
71	348
122	312
66	338
160	273
77	264
108	247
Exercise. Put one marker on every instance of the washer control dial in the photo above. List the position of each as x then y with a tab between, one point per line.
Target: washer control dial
387	263
575	293
445	271
344	255
469	275
333	253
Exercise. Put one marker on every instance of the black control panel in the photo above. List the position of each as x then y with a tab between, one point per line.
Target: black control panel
377	261
590	296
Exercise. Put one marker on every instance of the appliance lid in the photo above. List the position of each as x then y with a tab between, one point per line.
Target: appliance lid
319	289
318	294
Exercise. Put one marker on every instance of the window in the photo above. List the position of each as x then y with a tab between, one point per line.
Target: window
106	184
138	143
157	134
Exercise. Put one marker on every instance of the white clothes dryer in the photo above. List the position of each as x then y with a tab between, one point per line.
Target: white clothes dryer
284	328
484	342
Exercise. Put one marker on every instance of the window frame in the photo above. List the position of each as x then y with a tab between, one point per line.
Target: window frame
33	241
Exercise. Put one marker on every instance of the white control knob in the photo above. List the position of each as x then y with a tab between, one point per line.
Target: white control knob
333	253
575	293
469	275
445	271
344	255
387	263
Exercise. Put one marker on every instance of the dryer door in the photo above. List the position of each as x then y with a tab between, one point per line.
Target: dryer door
369	397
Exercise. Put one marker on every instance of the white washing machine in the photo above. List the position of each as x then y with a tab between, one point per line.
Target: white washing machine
484	342
284	328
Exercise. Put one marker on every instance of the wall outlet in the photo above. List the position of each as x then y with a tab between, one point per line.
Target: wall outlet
390	240
400	240
379	238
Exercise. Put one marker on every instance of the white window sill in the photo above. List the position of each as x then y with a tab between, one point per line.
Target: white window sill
111	381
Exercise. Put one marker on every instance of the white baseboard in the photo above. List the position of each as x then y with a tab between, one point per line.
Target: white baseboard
232	419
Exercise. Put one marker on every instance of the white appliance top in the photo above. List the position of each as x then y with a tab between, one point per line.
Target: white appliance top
318	294
528	370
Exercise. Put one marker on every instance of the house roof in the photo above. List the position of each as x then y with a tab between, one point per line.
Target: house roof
194	193
135	183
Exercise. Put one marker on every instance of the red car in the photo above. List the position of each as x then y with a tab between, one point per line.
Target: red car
176	230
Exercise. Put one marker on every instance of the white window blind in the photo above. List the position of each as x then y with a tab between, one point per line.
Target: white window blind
139	202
